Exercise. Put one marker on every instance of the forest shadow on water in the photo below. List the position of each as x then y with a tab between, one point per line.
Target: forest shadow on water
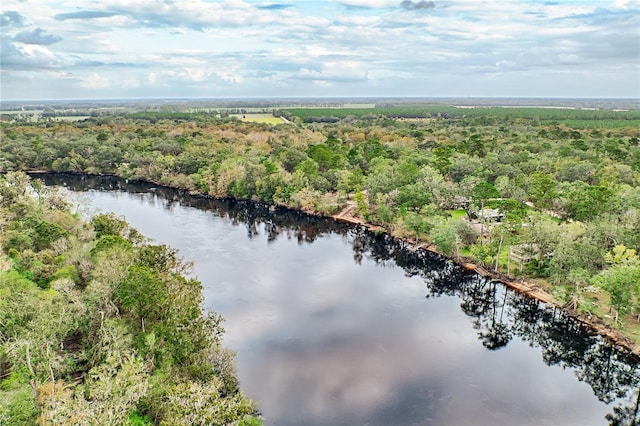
499	317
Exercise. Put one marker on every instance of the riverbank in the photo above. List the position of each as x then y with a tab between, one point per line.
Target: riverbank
521	286
529	289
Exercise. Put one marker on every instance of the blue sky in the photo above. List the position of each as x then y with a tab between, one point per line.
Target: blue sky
241	48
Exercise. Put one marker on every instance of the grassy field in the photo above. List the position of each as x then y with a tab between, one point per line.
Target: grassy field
259	118
457	214
71	117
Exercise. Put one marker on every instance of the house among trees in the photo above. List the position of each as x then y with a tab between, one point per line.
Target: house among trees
489	215
458	203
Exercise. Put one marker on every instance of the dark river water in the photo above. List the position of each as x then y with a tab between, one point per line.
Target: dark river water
334	325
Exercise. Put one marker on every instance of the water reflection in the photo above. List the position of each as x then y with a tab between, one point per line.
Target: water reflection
500	314
335	366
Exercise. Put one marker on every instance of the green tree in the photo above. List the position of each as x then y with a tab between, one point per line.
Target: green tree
113	392
545	234
542	189
196	403
446	239
109	224
324	157
621	279
416	223
584	201
143	295
102	137
362	206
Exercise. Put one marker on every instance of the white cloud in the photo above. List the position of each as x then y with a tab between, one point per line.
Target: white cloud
626	4
29	56
194	14
154	78
11	18
344	71
37	36
377	46
95	81
374	4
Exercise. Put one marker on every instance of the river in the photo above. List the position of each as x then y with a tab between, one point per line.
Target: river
335	325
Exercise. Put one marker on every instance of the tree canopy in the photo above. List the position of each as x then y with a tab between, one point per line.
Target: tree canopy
88	335
564	182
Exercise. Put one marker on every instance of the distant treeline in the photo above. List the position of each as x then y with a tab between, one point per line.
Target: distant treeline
163	115
576	118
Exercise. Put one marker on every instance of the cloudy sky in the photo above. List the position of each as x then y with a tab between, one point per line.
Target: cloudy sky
81	49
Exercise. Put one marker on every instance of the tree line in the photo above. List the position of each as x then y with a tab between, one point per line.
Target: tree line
573	117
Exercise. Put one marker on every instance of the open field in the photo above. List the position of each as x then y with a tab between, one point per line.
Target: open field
259	118
71	117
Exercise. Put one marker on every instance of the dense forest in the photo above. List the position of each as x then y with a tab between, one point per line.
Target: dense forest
572	117
551	196
98	325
